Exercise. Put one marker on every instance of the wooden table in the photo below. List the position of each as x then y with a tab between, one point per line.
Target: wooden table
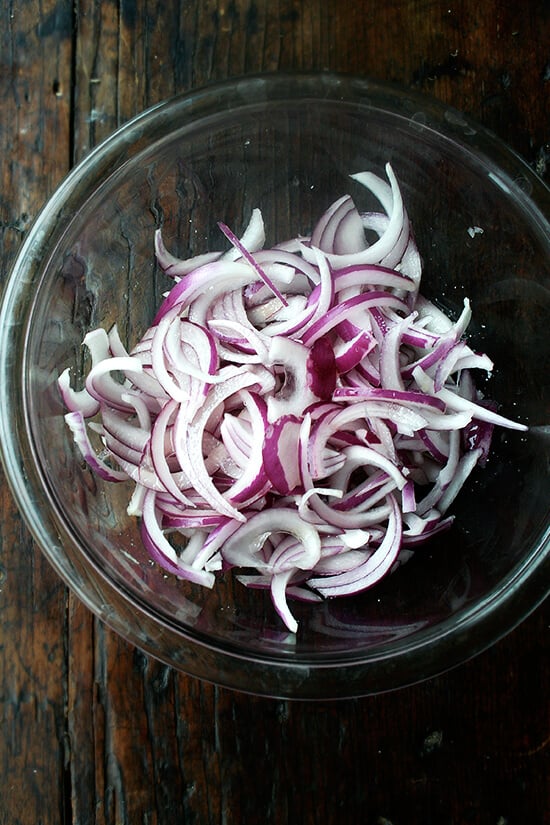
92	730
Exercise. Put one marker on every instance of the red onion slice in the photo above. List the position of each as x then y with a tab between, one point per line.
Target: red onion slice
374	568
77	425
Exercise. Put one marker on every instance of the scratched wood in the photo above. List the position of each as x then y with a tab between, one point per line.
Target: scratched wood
91	729
35	55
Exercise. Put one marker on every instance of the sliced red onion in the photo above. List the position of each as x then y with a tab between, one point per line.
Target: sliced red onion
343	231
459	404
292	260
373	276
252	239
354	309
390	198
176	267
301	412
162	449
253	482
373	568
189	437
218	277
162	551
101	385
232	238
244	547
77	400
350	353
281	454
321	368
325	219
77	425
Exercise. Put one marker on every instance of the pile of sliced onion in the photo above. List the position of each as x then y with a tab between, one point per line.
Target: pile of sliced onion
299	413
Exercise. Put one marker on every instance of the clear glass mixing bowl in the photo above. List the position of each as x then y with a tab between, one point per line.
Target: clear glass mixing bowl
287	144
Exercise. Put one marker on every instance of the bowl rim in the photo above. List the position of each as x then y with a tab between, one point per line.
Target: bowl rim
523	589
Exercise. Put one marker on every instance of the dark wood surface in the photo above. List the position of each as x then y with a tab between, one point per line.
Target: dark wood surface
92	730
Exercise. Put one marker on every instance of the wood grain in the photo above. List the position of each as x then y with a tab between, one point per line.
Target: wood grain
91	729
35	54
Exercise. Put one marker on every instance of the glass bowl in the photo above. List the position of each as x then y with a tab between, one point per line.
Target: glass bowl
287	144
